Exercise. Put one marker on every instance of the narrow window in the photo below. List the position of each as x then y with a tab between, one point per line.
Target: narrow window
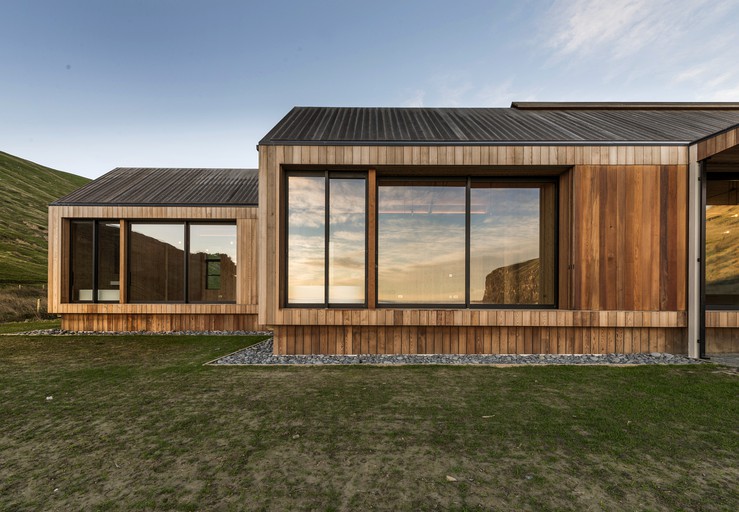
108	261
722	240
306	239
346	241
212	263
81	252
512	243
326	239
95	261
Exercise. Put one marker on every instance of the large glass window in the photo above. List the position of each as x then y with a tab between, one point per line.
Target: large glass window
421	242
722	241
156	262
326	239
95	261
475	242
212	263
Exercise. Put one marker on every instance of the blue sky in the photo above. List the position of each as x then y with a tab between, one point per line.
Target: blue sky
89	85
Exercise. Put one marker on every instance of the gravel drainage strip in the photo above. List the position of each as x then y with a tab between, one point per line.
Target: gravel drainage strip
261	354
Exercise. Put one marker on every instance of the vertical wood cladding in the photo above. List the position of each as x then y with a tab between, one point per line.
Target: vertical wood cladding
363	339
159	322
629	232
722	331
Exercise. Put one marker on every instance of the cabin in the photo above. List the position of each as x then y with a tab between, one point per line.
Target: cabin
156	250
539	228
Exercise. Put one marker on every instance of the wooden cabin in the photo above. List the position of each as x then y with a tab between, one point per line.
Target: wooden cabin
539	228
156	250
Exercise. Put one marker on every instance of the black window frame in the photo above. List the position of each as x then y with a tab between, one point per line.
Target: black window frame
554	180
186	255
95	263
327	175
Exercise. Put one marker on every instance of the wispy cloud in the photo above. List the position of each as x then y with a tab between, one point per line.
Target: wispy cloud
685	47
622	27
415	99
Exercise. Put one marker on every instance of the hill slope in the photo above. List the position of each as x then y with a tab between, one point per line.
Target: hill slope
26	189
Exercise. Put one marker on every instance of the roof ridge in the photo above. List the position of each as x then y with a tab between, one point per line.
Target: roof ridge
624	105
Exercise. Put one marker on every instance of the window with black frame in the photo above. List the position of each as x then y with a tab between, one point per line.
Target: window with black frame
94	250
326	237
722	241
466	242
182	262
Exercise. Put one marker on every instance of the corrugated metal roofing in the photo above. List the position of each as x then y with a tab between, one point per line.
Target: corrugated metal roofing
129	186
388	126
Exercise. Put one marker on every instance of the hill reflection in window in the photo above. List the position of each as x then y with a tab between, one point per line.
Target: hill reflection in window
512	243
157	262
422	242
722	242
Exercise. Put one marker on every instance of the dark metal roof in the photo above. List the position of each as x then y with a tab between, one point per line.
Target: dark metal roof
137	186
614	105
479	126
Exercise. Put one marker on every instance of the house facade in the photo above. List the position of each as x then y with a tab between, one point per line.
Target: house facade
540	228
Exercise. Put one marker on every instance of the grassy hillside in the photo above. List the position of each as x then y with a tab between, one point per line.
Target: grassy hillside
26	189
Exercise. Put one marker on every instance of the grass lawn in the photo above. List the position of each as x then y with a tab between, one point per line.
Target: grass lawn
36	325
138	423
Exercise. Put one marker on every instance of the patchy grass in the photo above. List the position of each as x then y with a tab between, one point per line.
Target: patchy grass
15	327
138	422
19	302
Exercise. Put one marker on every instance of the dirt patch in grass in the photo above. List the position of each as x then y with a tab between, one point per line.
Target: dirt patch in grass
139	423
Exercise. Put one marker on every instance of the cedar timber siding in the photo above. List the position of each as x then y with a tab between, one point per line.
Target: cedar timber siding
154	317
622	254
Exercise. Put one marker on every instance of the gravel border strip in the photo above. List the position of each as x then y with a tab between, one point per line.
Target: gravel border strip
62	332
260	354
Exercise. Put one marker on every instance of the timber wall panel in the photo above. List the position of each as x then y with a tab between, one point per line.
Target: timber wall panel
722	331
627	287
483	317
378	339
718	143
159	322
644	283
630	238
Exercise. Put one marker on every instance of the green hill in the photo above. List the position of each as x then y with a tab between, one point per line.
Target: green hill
26	189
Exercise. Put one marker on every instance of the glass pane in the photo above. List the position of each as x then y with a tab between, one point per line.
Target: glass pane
212	266
346	247
306	239
421	242
80	252
722	243
511	249
109	258
157	262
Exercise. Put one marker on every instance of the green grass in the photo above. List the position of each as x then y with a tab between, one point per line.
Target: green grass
15	327
139	423
26	189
